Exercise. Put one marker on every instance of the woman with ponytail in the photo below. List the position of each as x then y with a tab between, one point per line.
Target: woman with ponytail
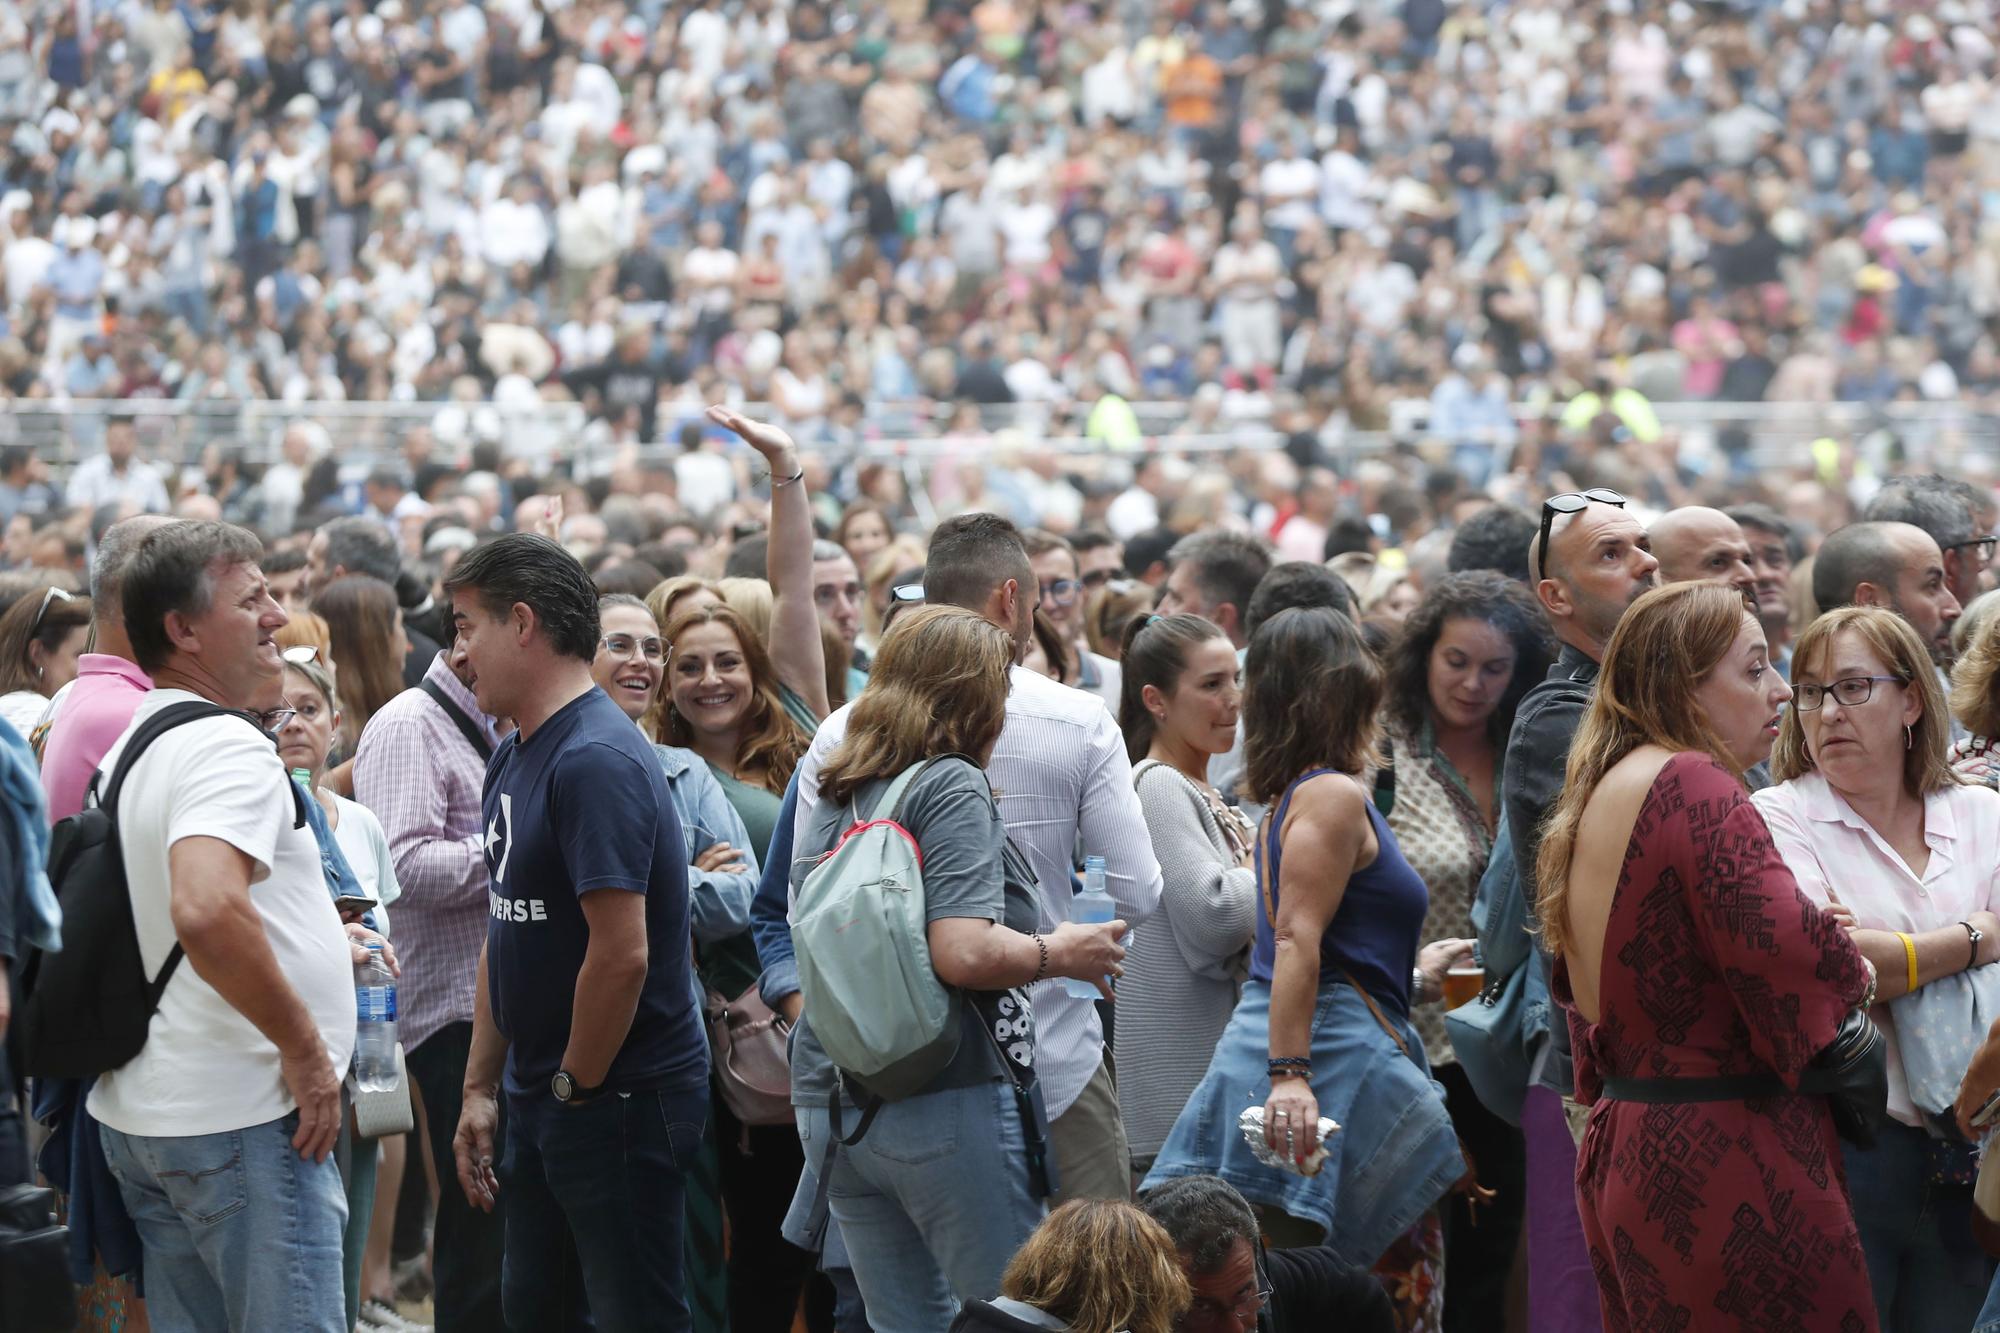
1180	695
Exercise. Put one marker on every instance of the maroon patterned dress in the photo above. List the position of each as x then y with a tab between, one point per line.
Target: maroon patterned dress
1715	1215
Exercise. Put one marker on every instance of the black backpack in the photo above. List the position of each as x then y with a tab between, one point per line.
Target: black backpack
85	1008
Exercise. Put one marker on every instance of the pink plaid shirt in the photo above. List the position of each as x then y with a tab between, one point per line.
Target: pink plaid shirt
423	780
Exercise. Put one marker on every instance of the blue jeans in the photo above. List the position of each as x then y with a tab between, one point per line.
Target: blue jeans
1922	1262
239	1230
593	1197
931	1204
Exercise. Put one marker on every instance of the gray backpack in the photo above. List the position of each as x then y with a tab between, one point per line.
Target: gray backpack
859	926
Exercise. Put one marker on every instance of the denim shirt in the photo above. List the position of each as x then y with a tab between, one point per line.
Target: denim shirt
341	881
719	904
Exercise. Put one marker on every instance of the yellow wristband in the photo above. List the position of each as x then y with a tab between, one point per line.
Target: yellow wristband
1910	956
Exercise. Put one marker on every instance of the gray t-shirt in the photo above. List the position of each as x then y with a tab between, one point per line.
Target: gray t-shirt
970	870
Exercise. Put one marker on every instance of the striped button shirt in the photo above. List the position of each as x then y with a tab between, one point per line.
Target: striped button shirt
1058	773
423	780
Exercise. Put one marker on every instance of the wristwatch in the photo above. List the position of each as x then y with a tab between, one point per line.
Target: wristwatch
569	1091
1976	935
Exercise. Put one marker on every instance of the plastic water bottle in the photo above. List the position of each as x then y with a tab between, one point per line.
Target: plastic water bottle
375	1037
1092	907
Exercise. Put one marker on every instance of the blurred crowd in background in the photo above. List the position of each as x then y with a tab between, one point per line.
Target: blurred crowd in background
1534	221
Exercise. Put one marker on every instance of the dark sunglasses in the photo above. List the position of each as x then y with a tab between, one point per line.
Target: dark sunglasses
907	592
1569	502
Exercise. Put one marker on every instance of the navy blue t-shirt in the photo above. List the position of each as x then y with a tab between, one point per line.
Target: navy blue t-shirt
581	806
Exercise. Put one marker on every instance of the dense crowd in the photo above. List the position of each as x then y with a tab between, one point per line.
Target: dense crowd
1570	839
1267	973
1308	211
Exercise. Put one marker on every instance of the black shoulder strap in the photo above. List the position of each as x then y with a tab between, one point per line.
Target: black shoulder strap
470	729
154	727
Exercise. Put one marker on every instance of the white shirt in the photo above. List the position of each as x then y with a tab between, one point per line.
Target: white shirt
94	483
1822	839
703	482
1059	771
205	1068
1133	512
361	840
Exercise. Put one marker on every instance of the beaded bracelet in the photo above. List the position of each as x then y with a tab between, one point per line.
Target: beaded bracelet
1042	969
1288	1066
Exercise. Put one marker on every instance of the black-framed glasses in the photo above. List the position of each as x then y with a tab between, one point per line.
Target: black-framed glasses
1061	592
1848	692
50	597
1095	579
653	649
907	592
1569	502
301	654
1985	546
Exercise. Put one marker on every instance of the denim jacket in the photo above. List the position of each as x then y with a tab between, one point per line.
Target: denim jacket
770	912
1396	1153
718	904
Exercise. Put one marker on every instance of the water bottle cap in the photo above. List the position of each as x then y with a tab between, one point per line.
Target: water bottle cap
1093	863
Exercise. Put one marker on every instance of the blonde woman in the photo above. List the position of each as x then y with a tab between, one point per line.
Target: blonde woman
1880	831
1093	1266
1684	950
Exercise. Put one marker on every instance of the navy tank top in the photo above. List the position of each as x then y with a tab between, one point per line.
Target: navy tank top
1373	935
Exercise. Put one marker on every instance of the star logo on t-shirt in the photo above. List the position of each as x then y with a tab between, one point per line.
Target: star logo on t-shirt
496	835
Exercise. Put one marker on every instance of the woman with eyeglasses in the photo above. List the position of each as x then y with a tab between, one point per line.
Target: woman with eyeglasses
1063	603
304	723
749	1171
1879	830
41	637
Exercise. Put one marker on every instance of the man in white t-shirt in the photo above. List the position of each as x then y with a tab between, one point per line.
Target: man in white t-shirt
219	1132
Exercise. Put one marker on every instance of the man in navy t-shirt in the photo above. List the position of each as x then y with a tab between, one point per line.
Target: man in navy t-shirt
584	990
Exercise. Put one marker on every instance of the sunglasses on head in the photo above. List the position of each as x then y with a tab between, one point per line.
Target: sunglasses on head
301	654
1569	502
49	598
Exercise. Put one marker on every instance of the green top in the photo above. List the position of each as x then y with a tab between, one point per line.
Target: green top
731	966
799	711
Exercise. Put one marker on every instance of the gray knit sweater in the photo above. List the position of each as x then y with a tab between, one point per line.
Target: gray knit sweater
1185	964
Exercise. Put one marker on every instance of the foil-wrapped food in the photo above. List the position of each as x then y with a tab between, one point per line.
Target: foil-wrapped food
1251	1122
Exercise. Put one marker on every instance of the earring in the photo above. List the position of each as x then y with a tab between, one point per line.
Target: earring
1909	737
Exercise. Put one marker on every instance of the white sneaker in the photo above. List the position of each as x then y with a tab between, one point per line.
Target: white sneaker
379	1317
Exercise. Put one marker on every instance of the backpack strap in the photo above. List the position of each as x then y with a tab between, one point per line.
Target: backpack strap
154	727
892	799
470	729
